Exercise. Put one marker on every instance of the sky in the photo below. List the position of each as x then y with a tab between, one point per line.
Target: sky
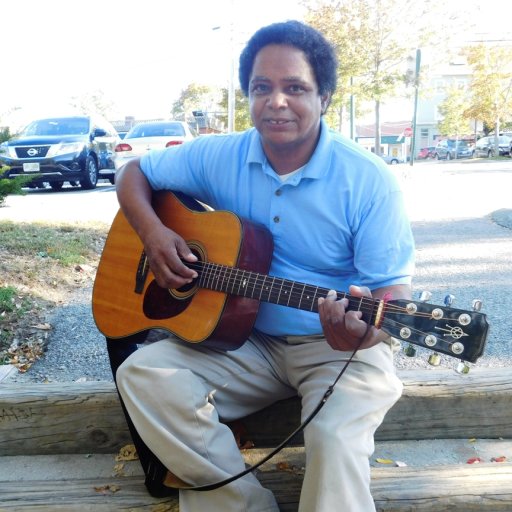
140	54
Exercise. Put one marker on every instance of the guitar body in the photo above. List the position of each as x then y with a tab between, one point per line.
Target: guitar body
127	301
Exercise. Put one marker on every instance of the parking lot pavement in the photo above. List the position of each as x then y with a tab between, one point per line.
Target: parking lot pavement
71	205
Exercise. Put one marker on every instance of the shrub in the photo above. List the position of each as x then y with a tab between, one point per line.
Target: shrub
12	185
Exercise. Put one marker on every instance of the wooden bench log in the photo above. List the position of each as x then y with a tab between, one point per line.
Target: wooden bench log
458	488
87	417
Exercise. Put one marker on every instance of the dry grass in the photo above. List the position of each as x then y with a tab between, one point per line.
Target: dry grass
41	267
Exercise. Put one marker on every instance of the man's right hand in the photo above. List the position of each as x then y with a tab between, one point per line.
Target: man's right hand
165	250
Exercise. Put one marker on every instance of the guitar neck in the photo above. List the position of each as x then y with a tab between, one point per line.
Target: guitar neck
276	290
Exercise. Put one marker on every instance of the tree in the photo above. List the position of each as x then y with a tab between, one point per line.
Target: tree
242	113
373	39
491	94
194	97
453	109
92	102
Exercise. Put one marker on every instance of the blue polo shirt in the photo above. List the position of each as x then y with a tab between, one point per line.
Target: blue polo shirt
339	220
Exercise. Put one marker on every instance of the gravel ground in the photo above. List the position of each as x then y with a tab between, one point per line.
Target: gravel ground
466	254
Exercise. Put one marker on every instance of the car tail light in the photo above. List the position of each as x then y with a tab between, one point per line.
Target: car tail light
122	147
173	143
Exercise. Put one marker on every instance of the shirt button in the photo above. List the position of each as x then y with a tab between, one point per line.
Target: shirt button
278	192
276	219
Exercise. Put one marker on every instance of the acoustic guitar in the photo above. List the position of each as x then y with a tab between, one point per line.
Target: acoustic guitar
219	308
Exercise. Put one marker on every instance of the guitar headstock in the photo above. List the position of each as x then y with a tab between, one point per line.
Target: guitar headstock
455	332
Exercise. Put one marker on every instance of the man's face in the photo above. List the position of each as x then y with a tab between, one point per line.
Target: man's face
284	99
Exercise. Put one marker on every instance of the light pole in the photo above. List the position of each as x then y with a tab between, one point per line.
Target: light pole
231	82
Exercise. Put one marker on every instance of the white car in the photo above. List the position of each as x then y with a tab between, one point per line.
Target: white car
392	160
152	135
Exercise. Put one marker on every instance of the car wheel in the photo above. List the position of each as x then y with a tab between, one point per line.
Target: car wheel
437	156
56	185
489	153
91	174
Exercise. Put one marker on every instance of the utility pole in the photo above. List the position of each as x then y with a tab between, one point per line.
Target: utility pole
231	85
352	109
416	92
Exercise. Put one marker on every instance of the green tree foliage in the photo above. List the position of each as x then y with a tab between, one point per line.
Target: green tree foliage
242	113
491	86
194	97
373	40
5	134
453	110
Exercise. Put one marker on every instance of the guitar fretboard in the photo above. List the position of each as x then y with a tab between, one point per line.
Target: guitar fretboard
275	290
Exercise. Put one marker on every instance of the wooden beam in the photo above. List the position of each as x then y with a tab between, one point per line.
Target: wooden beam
458	488
87	417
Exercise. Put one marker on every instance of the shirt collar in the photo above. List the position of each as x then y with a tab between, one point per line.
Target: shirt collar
318	163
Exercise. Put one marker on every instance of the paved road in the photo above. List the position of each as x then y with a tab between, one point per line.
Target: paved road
461	250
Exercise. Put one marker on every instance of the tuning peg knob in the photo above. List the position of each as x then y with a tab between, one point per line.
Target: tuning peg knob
477	305
410	350
462	367
425	296
448	300
434	359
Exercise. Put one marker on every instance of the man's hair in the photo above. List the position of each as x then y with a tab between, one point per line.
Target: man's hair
319	52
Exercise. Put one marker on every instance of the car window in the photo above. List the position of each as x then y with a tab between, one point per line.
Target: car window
157	130
58	126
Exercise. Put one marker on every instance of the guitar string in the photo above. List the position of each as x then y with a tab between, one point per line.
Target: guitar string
256	281
368	304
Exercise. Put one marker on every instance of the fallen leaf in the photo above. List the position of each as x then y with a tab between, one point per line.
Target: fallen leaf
474	460
385	461
472	440
119	469
43	327
127	452
283	466
107	489
501	458
241	435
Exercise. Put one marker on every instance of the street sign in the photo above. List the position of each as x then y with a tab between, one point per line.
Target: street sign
408	132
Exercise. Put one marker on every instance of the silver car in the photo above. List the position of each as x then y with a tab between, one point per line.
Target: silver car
152	135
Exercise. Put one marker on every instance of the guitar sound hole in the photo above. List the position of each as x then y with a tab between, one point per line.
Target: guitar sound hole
189	289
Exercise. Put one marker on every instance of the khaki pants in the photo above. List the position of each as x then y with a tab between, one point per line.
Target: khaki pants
176	392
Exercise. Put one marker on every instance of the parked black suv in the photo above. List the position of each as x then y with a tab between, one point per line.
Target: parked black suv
59	149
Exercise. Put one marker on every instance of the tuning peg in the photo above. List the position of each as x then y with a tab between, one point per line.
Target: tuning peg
410	350
434	359
448	300
477	305
463	367
425	296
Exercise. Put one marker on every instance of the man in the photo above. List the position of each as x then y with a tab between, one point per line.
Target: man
337	219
